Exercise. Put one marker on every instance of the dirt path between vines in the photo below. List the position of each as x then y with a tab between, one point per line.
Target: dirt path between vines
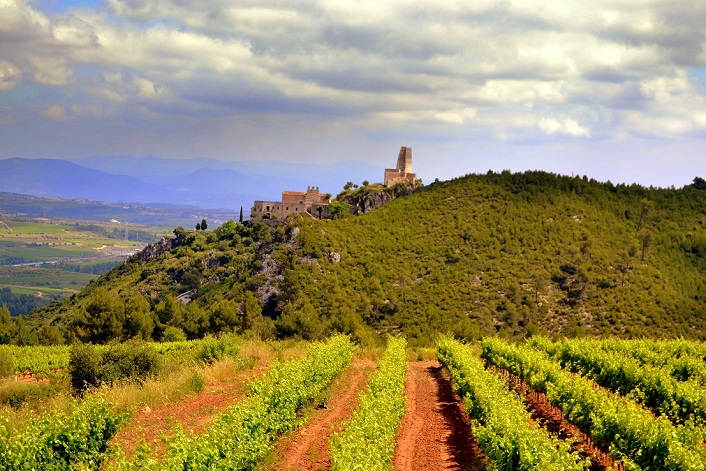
435	434
308	447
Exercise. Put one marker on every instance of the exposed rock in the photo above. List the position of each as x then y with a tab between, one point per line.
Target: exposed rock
364	200
153	251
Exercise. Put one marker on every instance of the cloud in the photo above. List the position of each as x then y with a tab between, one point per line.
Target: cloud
520	71
50	71
55	112
10	76
74	32
148	90
568	126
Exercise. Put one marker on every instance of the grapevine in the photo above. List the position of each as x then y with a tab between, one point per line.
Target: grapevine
61	441
245	432
618	424
367	442
652	386
501	424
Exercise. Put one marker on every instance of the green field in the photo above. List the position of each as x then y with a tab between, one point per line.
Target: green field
38	240
43	260
36	289
169	216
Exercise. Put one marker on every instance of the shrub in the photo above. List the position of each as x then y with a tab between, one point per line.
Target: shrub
173	334
83	367
211	350
197	382
16	394
132	360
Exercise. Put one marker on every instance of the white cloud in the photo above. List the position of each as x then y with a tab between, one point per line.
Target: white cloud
74	32
107	95
568	126
148	90
10	76
50	70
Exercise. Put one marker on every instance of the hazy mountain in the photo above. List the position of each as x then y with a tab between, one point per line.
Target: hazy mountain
156	214
208	187
207	183
63	179
266	178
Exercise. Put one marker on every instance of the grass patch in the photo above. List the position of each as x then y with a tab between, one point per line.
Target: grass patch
17	394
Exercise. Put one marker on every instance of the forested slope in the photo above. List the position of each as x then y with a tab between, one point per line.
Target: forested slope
510	253
517	253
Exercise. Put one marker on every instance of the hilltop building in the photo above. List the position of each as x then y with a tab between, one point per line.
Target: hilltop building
403	172
294	203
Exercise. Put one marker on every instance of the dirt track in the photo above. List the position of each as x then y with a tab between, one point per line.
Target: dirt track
435	434
308	449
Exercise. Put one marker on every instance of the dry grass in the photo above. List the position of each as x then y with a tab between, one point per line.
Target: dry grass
176	382
421	354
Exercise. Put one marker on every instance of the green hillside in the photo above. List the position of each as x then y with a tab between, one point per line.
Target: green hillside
515	254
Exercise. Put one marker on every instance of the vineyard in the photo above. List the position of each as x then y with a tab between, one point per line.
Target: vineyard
539	405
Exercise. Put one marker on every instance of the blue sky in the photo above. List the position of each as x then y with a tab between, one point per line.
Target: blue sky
64	5
612	89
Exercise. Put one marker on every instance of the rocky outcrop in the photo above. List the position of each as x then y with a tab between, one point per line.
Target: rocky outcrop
365	199
153	251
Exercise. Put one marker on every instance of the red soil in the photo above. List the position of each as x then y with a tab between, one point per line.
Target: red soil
193	412
435	434
31	379
308	449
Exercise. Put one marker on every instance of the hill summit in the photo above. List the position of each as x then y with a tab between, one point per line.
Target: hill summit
511	253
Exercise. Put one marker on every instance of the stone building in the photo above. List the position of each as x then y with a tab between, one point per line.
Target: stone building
403	172
293	202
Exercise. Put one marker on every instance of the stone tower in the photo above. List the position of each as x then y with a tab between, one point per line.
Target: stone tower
404	160
403	172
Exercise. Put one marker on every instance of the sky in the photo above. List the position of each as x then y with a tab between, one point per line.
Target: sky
612	89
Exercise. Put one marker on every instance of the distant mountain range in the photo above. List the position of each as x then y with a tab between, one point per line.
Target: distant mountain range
206	183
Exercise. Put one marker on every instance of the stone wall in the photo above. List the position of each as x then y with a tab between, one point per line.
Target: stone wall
292	203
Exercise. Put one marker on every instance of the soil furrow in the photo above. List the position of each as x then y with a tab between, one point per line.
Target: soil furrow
308	447
435	434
